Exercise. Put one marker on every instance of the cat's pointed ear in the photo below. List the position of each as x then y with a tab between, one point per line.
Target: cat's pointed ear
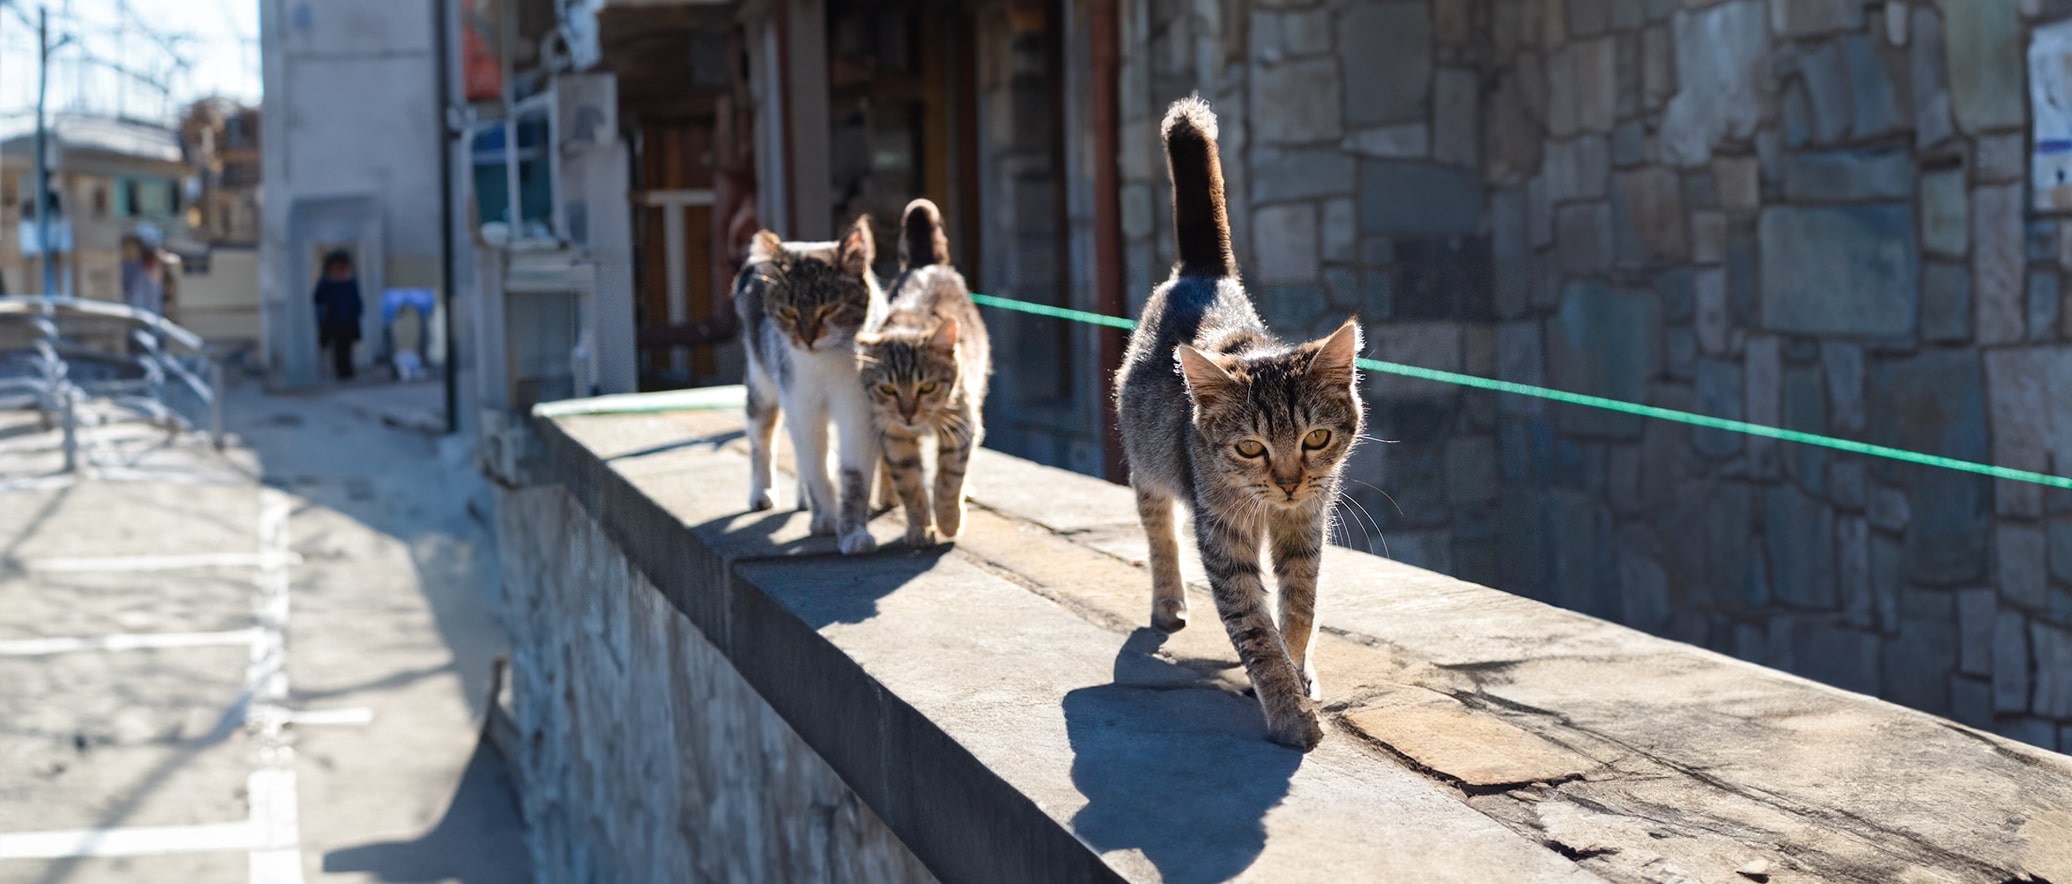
945	337
1208	382
766	247
859	249
1335	362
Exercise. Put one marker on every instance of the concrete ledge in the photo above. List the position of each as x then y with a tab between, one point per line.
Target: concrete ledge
997	709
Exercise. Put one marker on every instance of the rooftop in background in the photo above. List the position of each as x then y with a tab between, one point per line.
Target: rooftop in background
97	134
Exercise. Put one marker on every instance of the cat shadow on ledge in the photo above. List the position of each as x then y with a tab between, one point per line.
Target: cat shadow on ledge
1175	766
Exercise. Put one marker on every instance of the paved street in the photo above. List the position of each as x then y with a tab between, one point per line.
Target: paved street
268	664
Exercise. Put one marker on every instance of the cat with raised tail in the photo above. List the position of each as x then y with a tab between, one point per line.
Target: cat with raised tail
925	370
1250	432
801	306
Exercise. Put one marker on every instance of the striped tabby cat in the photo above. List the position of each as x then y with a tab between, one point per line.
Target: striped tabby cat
801	306
1250	432
925	370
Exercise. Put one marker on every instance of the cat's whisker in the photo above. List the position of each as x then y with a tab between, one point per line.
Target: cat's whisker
1391	497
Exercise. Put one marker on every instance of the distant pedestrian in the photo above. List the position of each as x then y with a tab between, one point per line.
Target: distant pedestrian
338	311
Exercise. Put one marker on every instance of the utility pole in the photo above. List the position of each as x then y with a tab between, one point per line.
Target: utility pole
43	201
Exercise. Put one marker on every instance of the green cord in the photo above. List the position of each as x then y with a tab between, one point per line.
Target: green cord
1667	414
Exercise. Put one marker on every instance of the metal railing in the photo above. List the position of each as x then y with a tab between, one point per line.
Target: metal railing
134	369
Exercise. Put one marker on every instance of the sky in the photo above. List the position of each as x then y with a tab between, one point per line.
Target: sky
197	47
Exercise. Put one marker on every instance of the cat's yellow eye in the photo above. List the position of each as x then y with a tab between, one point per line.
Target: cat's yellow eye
1316	439
787	312
1250	448
887	390
927	387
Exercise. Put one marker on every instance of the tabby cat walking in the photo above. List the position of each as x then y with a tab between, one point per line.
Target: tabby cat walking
926	370
1250	432
801	307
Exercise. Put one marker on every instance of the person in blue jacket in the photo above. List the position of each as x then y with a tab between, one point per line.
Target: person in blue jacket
338	311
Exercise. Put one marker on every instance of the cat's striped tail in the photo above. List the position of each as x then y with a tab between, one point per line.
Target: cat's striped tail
1201	224
921	238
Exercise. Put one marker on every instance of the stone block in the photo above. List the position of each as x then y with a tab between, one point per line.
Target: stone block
1982	45
1629	144
1945	303
2059	534
1340	231
1977	610
1408	141
1436	345
1826	80
1282	175
2000	159
1835	655
1708	237
1284	244
2030	392
1657	67
2053	649
1874	105
1470	470
1603	342
1456	112
1764	383
1805	408
1930	77
1710	317
1586	17
1680	353
1403	198
1450	21
1521	357
1799	532
2010	663
1889	509
1296	102
1844	364
1653	199
1577	169
1945	214
1853	571
2044	304
1718	393
1888	578
1848	485
1721	52
1917	666
1306	32
1844	270
1738	179
1539	209
1643	593
1935	401
1594	65
2020	570
1514	132
1584	236
1386	53
1809	18
1849	175
1971	702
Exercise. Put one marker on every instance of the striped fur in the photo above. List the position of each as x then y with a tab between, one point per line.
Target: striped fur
926	371
802	306
1265	429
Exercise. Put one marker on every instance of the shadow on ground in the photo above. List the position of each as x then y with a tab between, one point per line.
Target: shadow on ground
471	844
1174	767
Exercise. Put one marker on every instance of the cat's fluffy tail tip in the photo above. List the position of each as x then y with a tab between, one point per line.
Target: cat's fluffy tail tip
1190	114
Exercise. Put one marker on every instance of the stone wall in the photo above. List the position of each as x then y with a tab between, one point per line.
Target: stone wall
1805	213
644	753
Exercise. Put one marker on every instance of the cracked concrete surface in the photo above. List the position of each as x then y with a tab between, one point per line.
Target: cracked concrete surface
1575	747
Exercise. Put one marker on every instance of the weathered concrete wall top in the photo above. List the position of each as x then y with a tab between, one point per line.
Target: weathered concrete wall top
999	707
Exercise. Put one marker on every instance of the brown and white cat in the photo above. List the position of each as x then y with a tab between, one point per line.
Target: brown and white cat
1248	431
801	306
925	370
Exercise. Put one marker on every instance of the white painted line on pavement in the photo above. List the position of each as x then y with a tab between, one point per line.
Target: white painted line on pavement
43	647
277	859
135	841
352	716
161	563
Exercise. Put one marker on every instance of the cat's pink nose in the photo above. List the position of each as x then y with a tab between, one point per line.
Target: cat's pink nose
1289	487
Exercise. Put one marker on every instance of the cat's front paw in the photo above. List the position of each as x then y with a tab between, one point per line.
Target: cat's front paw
921	537
858	542
1299	728
823	525
760	499
1311	688
1169	615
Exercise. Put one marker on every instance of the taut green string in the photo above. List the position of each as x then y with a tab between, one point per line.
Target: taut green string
1668	414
